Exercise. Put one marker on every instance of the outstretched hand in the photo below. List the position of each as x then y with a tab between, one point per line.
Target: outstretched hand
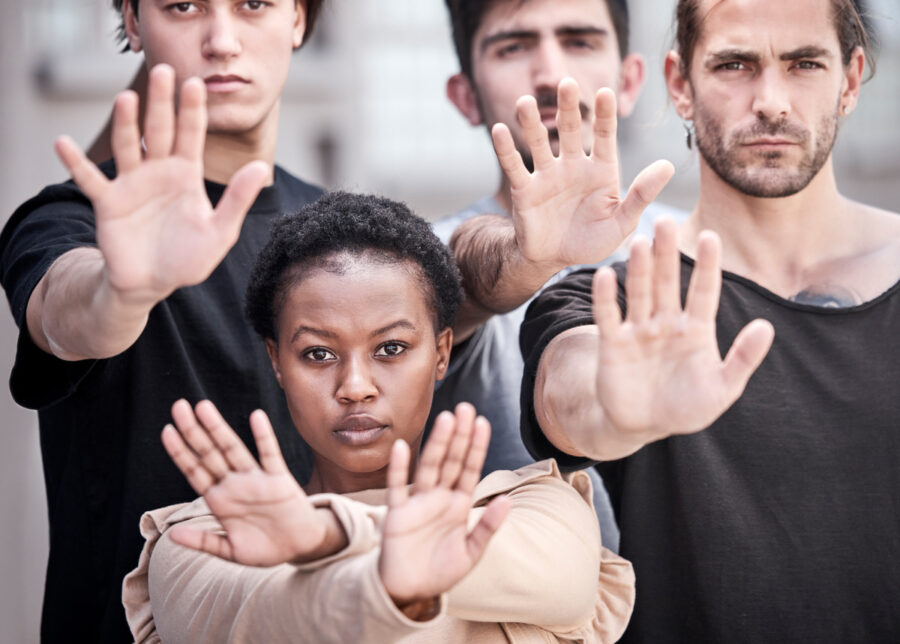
267	518
427	546
156	228
568	210
659	371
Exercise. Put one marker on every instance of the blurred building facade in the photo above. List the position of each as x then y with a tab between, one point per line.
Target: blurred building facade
364	110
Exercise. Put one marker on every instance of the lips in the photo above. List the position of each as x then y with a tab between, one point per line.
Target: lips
224	83
359	429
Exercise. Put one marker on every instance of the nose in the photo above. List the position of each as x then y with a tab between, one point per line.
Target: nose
771	100
549	65
357	383
222	40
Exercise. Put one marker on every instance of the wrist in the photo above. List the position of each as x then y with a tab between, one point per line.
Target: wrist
419	610
333	539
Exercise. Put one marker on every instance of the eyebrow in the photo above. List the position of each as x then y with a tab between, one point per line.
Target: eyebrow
526	34
745	56
399	324
300	330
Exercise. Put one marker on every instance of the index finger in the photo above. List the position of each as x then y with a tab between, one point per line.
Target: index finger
270	456
231	447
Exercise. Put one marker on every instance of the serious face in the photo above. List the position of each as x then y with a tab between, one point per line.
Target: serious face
240	48
358	357
528	47
767	87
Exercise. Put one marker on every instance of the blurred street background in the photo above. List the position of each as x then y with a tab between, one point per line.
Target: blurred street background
364	110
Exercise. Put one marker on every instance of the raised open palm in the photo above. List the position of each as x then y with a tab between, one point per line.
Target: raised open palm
427	546
267	518
660	371
569	210
156	228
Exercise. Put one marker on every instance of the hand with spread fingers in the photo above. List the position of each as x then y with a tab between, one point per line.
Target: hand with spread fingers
659	371
156	228
267	518
568	210
427	546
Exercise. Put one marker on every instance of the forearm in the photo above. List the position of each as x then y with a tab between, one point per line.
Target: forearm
541	567
74	313
566	404
496	277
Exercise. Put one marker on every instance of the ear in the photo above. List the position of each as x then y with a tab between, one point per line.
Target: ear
130	20
462	94
853	78
631	82
679	87
272	350
443	344
299	23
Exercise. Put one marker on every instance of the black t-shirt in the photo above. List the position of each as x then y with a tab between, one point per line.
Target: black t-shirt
781	521
100	420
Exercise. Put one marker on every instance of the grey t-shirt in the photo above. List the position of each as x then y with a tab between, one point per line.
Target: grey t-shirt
486	369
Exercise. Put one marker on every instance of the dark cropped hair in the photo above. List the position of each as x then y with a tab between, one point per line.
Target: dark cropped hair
313	8
341	222
851	20
466	17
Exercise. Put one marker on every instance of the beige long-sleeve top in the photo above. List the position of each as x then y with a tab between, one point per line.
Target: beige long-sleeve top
544	577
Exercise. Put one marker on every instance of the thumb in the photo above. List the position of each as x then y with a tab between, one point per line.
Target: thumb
493	517
239	196
746	354
644	189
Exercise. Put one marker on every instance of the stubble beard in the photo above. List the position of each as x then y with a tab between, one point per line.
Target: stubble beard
769	175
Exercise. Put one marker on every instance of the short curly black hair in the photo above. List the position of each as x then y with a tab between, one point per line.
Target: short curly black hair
342	222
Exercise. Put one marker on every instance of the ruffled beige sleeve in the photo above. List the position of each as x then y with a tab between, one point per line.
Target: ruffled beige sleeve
181	595
546	565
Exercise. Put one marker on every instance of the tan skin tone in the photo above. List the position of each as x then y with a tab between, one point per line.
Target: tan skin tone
363	364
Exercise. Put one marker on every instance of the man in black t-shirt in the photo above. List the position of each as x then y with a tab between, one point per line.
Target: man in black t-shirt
128	285
779	521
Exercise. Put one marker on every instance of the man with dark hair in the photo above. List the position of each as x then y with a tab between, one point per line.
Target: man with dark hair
507	49
779	521
127	286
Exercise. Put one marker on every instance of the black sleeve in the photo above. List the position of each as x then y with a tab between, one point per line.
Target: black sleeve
56	221
563	306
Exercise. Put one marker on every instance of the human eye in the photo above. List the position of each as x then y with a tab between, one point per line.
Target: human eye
390	349
509	49
732	66
807	65
581	43
319	354
182	8
255	5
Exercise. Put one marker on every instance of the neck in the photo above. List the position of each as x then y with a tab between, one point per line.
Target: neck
329	477
227	152
787	234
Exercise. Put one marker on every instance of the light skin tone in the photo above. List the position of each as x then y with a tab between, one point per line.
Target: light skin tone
156	230
526	49
268	519
788	71
537	71
779	65
567	211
